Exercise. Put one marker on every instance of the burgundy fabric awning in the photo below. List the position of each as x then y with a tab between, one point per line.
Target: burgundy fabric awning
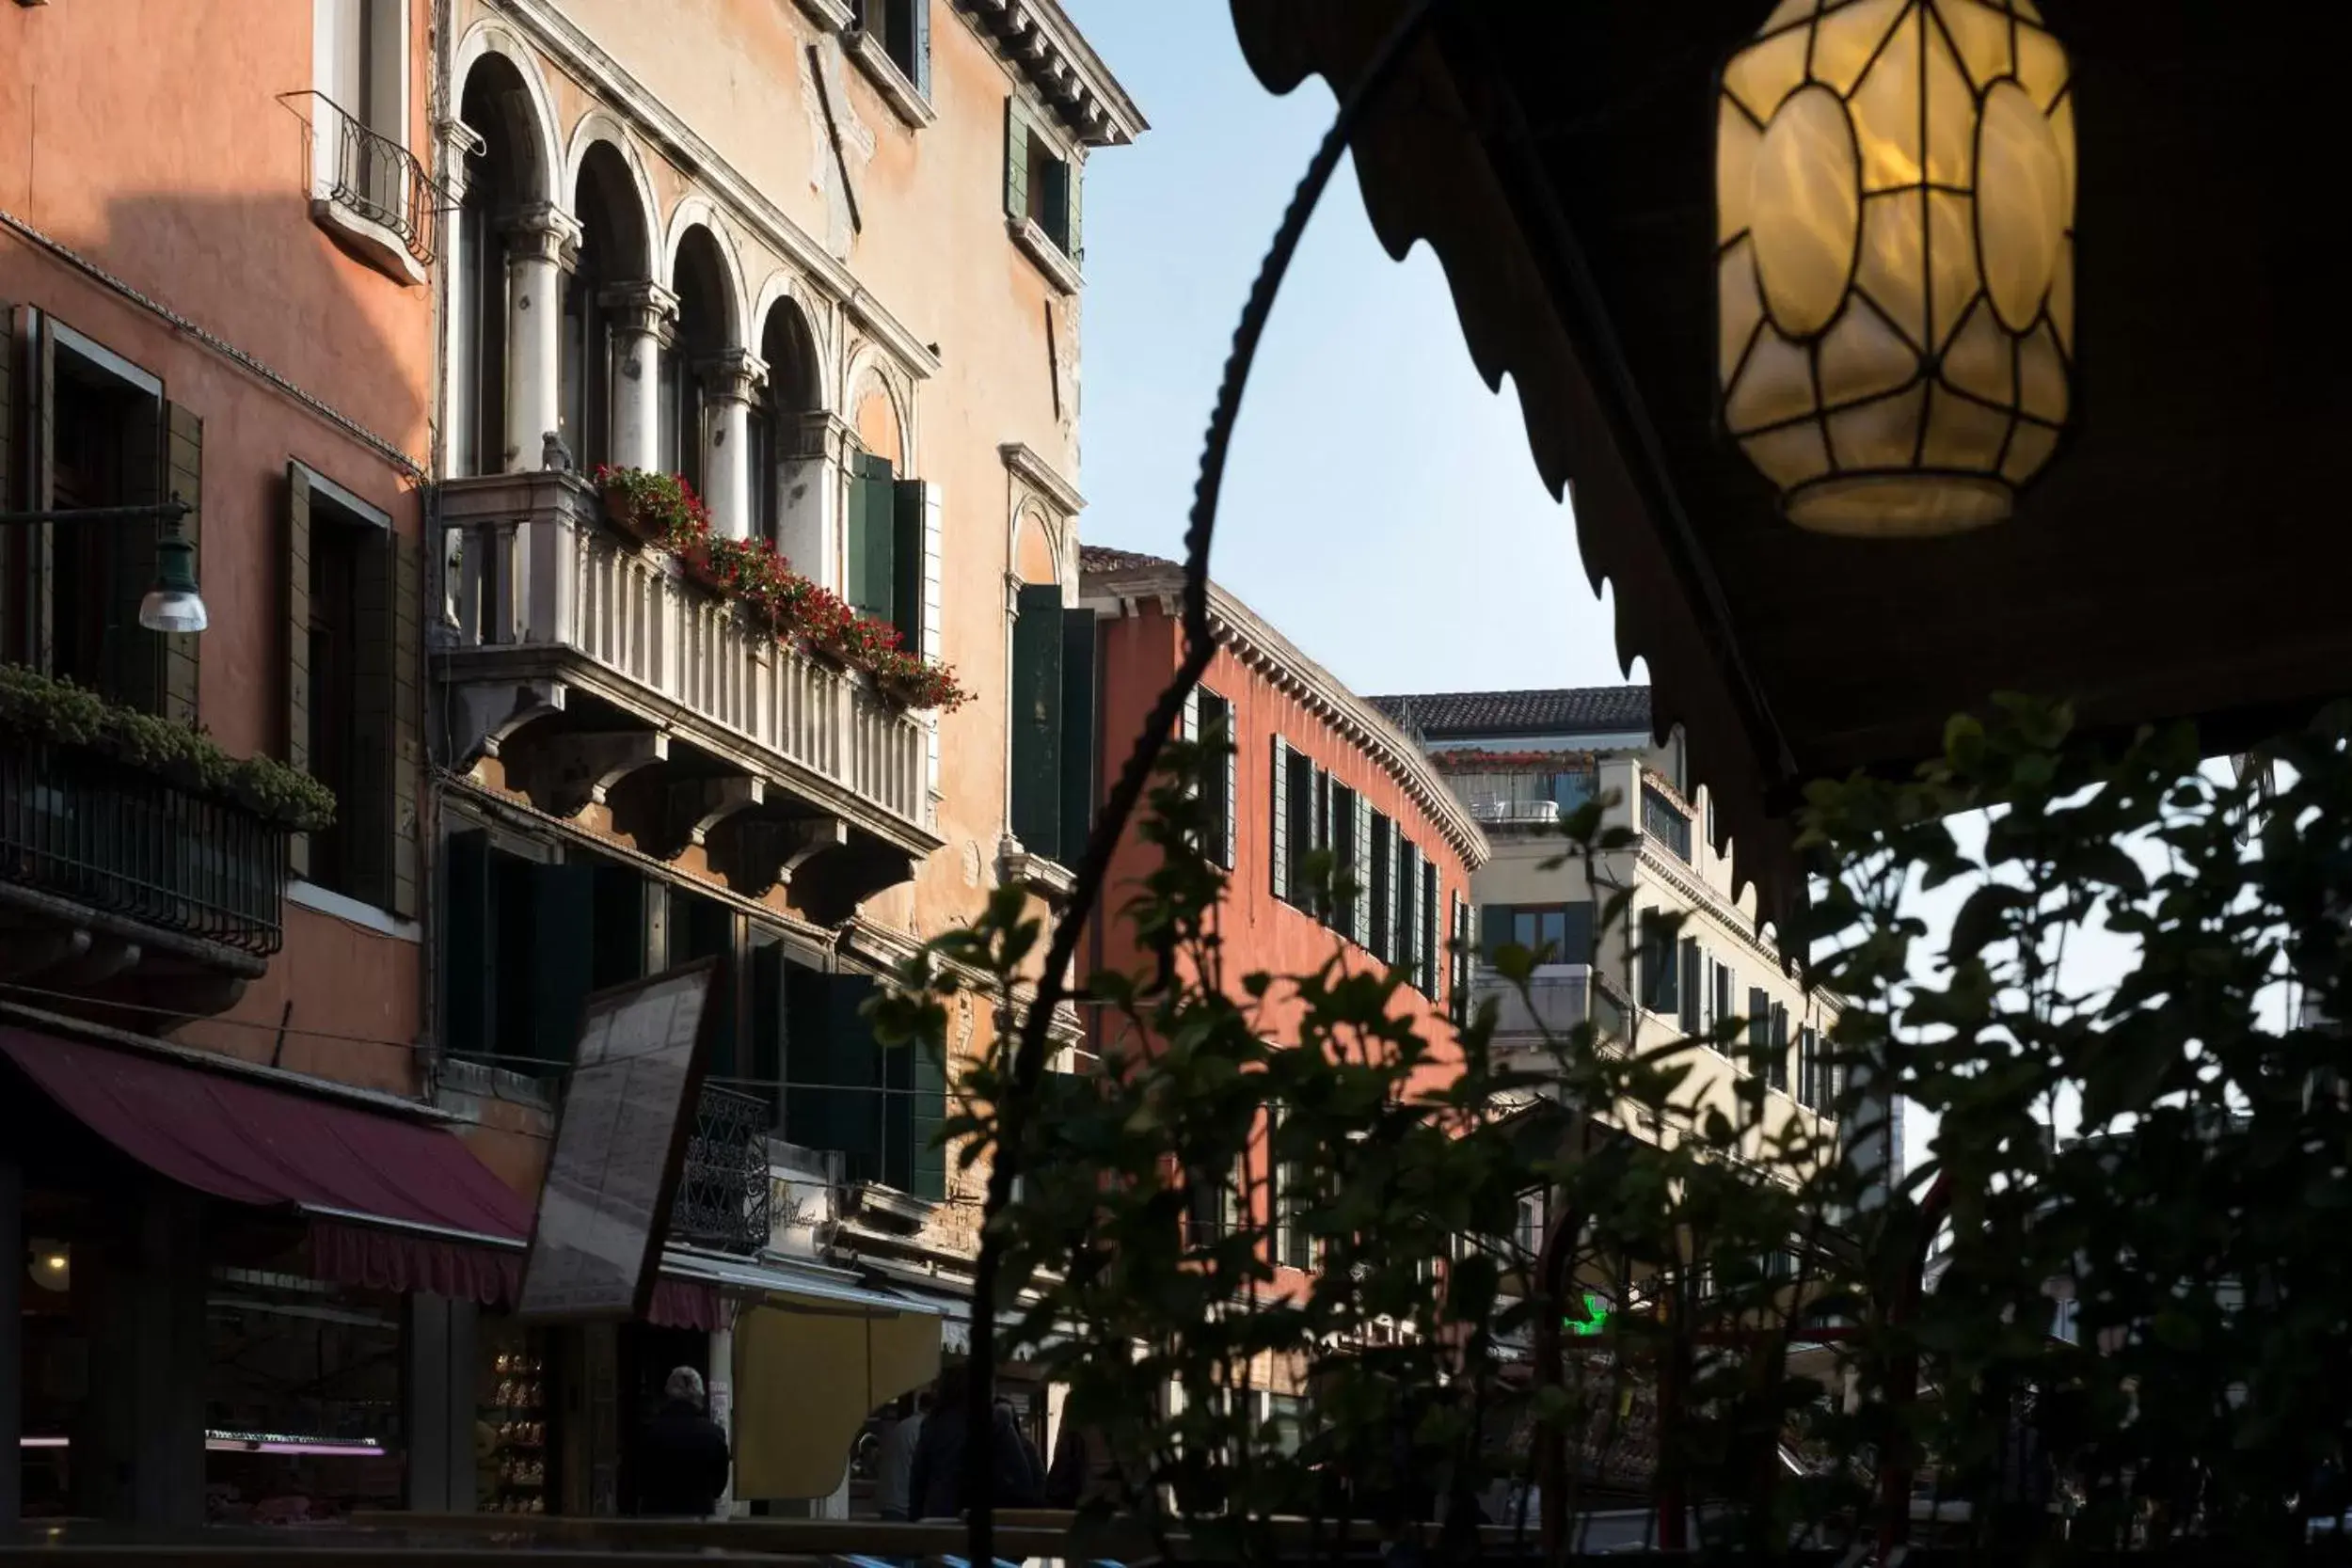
395	1204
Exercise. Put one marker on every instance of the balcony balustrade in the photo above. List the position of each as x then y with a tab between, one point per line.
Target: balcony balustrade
117	884
598	672
1665	821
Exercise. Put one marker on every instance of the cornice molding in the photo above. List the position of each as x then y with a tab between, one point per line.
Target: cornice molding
1048	52
1255	642
1027	466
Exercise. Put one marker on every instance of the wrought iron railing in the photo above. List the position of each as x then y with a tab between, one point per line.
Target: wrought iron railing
89	830
1665	821
722	1196
377	178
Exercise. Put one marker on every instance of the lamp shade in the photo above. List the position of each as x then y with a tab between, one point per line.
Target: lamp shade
1895	274
173	604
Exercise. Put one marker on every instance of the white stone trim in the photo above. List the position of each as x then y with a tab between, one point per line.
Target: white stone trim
1045	51
601	125
698	212
354	911
493	38
1275	657
1039	246
868	359
573	51
819	314
834	15
1024	462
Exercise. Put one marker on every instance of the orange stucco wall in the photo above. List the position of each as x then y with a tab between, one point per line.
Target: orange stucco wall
1260	933
149	138
930	248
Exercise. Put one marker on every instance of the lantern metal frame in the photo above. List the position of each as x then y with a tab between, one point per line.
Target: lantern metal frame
1928	381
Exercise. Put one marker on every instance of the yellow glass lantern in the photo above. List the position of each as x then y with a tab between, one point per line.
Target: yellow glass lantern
1894	278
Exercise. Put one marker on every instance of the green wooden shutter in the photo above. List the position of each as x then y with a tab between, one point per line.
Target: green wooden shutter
1433	935
1688	994
906	555
407	783
1016	160
1073	180
294	560
134	656
1228	809
1780	1046
1360	864
872	536
1279	860
563	944
184	480
1037	720
929	1103
364	822
465	951
1077	732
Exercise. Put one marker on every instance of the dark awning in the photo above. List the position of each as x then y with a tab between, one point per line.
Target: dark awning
393	1203
2178	559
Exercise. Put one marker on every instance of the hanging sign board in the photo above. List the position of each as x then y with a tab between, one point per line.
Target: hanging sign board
620	1138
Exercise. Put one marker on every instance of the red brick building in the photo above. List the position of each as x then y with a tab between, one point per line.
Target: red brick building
1315	766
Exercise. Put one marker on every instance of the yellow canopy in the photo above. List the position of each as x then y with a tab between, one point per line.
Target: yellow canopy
807	1373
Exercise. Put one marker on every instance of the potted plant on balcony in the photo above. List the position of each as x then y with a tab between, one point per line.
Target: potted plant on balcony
653	508
37	709
911	681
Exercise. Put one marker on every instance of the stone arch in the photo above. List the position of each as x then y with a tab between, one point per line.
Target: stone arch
789	291
620	171
530	112
1036	546
696	215
876	408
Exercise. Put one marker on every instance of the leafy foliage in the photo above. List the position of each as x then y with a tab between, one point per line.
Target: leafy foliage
1769	1356
38	707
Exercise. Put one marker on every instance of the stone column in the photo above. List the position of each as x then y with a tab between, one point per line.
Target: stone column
644	320
811	474
457	376
730	381
542	243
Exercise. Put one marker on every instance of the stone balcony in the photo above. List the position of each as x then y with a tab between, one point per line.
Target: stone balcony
598	674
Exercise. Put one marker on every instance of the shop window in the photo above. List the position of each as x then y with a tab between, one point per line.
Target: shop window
514	1461
302	1398
1053	721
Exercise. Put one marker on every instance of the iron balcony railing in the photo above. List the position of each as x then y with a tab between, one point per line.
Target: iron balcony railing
377	178
89	830
1665	821
723	1195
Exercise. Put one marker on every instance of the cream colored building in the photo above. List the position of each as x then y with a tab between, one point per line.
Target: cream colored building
824	259
1520	761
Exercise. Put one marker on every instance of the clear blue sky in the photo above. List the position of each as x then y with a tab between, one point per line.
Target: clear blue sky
1380	505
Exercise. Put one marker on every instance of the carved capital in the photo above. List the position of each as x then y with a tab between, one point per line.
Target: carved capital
643	308
542	233
733	376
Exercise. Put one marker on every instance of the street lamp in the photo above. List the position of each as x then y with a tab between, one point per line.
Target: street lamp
1894	265
173	604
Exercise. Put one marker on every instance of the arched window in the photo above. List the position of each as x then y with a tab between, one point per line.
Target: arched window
612	250
779	437
702	333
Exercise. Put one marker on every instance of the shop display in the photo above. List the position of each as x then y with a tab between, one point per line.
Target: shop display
510	1424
